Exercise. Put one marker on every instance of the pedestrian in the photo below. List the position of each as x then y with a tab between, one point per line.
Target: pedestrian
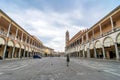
68	60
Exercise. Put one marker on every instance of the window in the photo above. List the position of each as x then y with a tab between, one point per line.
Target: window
10	33
0	46
114	23
2	29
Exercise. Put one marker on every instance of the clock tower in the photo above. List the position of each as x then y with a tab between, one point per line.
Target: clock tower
67	37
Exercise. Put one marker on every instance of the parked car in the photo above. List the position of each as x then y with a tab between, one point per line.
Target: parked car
37	57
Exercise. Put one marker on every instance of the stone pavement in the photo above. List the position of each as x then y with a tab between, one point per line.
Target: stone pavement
55	68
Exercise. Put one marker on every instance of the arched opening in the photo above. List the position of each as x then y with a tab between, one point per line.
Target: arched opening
91	50
109	48
26	51
2	44
99	52
118	43
17	49
22	51
81	51
30	52
85	51
9	50
76	53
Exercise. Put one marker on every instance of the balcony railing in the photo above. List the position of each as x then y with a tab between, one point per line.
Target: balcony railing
3	33
116	29
11	36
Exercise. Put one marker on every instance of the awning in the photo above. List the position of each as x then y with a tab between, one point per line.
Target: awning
2	41
91	46
17	45
108	42
118	39
10	43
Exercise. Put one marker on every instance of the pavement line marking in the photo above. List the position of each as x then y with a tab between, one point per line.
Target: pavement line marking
19	67
108	71
112	72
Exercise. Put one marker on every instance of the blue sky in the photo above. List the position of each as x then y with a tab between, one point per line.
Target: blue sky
49	19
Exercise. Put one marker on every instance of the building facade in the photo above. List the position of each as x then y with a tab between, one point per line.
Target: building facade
15	42
102	40
48	51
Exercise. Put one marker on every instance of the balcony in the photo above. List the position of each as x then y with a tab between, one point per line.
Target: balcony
116	29
11	36
3	33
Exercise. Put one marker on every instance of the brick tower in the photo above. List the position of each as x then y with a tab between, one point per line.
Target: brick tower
67	37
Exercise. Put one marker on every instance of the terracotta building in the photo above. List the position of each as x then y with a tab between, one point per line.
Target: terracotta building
15	42
102	40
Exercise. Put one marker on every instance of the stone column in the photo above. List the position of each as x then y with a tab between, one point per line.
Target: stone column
116	50
93	33
29	47
8	33
24	52
100	29
4	51
112	23
13	52
87	36
25	47
82	40
80	53
22	38
103	52
16	34
95	54
88	52
19	53
83	54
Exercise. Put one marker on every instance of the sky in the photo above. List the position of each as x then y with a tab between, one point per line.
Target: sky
49	19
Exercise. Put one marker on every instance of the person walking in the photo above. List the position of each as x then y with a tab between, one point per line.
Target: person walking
68	60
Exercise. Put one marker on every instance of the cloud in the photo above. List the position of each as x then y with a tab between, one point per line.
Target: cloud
51	26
